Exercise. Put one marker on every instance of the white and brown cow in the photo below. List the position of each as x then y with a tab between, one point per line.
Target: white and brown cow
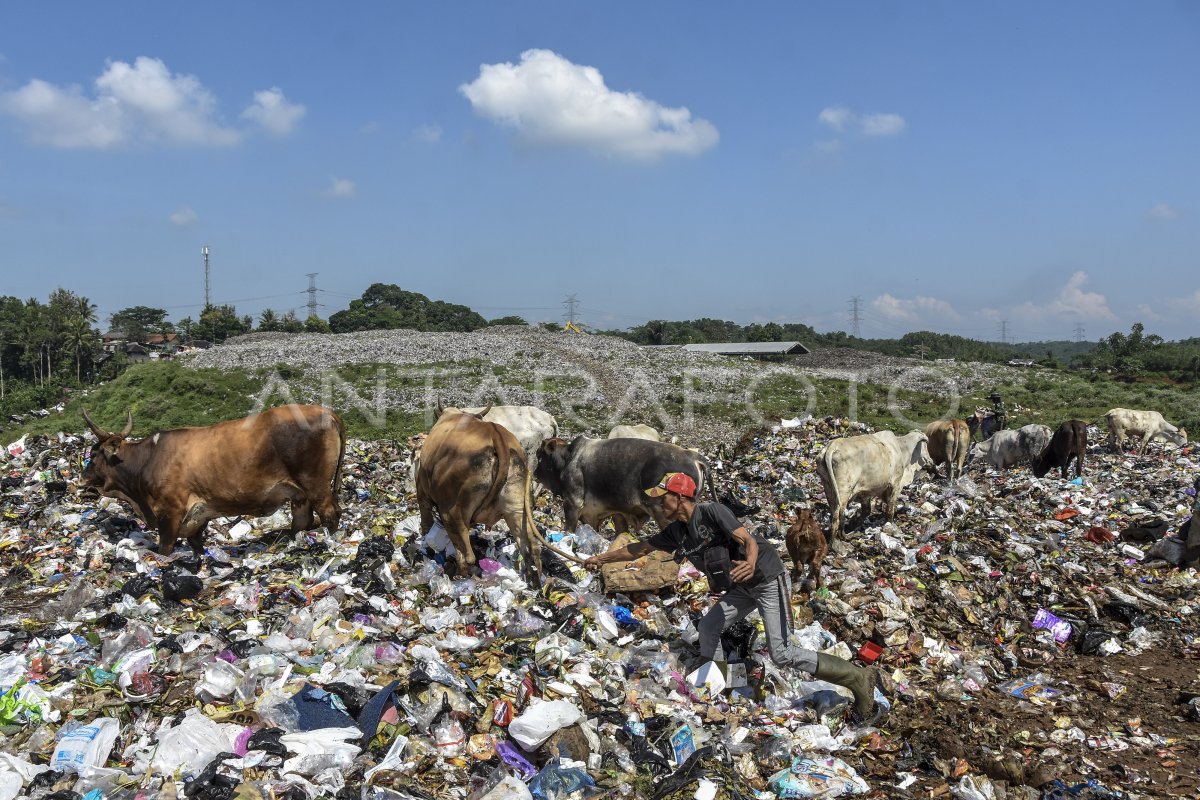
1144	425
865	467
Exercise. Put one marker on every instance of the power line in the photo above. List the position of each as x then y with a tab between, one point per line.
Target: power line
855	317
312	294
571	304
1079	333
232	302
1003	326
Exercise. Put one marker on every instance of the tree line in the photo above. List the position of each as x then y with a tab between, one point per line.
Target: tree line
48	347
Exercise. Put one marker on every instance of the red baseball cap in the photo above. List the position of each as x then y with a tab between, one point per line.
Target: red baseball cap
675	482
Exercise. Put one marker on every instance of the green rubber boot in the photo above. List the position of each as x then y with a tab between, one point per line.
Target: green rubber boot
860	681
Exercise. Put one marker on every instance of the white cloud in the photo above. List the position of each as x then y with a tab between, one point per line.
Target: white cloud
1188	304
828	147
548	100
274	112
842	119
915	310
1072	302
340	187
430	134
1164	212
184	217
1148	314
882	124
143	103
1191	303
836	117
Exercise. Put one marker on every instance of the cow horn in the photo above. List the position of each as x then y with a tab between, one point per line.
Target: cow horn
485	411
440	407
96	429
128	423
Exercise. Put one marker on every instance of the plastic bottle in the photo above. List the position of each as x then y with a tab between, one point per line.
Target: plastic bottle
448	734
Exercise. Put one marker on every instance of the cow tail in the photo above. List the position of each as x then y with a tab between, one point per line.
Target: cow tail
706	475
530	525
955	446
503	465
825	463
337	470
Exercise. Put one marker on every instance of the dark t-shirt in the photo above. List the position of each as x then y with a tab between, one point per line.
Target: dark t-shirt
714	524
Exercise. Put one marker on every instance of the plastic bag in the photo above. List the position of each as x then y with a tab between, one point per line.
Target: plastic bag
541	721
85	746
321	749
557	781
220	680
190	745
824	777
973	789
438	540
15	773
181	586
1169	548
509	789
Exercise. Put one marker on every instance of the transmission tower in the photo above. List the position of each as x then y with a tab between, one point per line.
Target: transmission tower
312	293
1079	333
1003	331
855	317
571	304
207	298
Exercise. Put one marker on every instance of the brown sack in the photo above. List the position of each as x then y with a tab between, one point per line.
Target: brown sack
647	574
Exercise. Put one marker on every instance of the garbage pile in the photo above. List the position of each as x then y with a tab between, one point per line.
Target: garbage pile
1035	641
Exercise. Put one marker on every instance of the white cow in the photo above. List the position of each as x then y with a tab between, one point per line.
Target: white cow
634	432
869	466
1147	425
529	424
1007	449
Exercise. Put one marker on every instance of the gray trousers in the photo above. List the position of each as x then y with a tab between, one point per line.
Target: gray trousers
771	599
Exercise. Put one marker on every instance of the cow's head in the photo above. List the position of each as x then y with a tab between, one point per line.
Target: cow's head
552	464
443	410
105	454
921	459
1179	437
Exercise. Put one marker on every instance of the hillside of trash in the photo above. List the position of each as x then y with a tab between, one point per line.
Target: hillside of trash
1039	638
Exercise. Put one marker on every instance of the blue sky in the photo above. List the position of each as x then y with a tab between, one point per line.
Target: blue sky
953	165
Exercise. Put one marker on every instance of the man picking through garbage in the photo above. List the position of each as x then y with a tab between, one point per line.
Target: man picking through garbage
750	575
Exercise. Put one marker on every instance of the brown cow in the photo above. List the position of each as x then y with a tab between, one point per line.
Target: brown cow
949	440
474	472
807	546
179	480
1069	442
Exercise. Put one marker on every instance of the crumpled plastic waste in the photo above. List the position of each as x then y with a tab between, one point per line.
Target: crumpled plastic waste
367	663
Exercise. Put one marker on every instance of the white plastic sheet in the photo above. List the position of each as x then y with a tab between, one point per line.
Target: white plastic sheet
543	720
86	746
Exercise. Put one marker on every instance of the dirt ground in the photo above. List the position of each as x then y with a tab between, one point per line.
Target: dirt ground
1015	741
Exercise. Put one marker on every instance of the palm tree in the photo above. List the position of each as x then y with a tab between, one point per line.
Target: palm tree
86	310
78	335
268	320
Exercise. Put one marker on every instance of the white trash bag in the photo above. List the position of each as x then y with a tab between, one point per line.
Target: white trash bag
541	721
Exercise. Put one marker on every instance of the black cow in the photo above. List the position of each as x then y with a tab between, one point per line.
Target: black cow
602	478
1069	442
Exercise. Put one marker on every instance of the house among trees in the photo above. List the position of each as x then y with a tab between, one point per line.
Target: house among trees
741	349
111	342
163	341
136	353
